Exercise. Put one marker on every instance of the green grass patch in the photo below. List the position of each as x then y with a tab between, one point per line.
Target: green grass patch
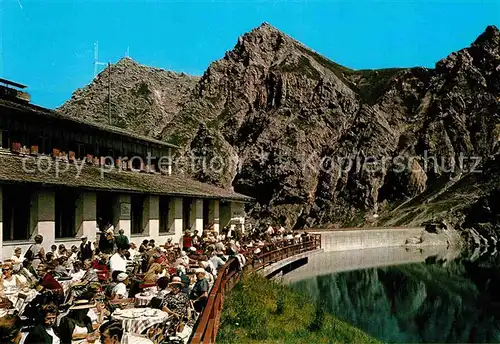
375	83
261	311
303	67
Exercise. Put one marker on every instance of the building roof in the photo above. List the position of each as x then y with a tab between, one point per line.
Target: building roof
94	125
46	171
12	83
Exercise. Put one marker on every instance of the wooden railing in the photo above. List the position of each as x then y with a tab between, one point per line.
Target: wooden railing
208	323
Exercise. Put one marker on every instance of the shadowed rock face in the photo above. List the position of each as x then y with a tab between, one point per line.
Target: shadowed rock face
275	112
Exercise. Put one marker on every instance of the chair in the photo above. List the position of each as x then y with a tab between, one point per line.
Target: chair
192	314
147	285
123	302
21	300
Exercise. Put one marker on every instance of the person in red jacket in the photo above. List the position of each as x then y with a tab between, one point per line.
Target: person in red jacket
101	268
187	240
48	282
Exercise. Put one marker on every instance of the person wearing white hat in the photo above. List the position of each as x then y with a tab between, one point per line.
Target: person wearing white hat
183	259
120	289
76	324
176	303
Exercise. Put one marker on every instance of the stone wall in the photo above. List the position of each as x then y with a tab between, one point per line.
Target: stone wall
341	240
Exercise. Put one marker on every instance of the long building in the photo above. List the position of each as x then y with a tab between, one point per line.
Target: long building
64	177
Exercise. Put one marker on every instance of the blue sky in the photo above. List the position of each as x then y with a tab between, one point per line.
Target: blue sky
49	45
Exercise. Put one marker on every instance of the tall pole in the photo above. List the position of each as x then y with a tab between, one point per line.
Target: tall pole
96	56
109	92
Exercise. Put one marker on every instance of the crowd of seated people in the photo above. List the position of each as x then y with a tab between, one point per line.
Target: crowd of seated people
69	296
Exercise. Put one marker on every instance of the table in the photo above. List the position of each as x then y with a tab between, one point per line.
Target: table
143	300
13	296
137	320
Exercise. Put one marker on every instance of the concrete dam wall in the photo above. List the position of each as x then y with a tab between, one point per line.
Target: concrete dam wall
356	239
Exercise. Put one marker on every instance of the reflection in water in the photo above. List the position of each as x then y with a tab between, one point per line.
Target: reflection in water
432	301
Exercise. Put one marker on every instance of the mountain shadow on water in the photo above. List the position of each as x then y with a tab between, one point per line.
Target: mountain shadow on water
435	301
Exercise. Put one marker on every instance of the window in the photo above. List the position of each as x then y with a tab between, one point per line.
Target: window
16	212
206	213
104	209
43	146
186	213
137	208
164	211
80	151
5	139
66	213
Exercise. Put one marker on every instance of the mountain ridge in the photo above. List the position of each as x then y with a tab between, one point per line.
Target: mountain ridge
275	111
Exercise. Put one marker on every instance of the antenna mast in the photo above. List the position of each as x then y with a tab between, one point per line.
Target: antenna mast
96	58
109	92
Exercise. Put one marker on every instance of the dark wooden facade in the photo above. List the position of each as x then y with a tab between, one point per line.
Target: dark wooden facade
24	131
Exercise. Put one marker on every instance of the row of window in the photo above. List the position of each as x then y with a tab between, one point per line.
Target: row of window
20	214
26	144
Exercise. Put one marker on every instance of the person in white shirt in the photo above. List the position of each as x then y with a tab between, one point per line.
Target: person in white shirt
16	259
133	250
120	289
77	272
73	257
183	259
10	281
118	262
60	252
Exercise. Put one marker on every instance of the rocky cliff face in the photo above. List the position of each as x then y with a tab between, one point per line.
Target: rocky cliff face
317	143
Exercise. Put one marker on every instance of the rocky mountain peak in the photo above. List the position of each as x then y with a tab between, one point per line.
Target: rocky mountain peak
127	62
143	98
259	46
490	36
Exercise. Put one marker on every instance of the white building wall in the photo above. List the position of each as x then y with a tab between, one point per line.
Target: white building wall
177	223
89	223
197	215
152	212
45	217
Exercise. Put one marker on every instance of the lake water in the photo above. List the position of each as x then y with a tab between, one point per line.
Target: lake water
401	296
